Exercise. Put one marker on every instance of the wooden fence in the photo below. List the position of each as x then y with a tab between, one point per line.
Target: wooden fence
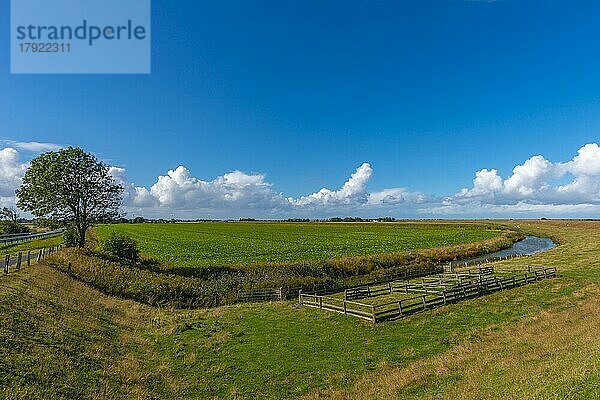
295	292
425	284
453	264
360	310
436	296
282	293
26	258
270	294
256	295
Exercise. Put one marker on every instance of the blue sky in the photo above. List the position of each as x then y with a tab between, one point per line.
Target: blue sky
302	93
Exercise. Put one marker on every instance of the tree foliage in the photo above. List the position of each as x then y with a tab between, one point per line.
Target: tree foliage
9	214
121	246
9	221
11	227
72	187
70	238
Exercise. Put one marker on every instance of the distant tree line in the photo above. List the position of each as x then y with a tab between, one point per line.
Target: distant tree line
358	219
142	220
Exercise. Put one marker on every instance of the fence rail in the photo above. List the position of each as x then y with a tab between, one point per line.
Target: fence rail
360	310
436	296
25	258
425	283
19	238
451	265
261	295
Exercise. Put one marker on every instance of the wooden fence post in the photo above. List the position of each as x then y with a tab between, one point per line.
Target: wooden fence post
300	296
373	314
6	262
39	256
28	258
19	259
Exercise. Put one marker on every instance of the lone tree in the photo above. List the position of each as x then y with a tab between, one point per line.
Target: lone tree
9	221
72	187
9	214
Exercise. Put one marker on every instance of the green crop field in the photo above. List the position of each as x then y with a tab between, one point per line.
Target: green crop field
220	243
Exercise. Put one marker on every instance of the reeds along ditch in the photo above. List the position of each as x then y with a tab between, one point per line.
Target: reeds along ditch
209	287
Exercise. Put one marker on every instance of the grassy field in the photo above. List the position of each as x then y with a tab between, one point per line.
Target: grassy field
222	244
61	339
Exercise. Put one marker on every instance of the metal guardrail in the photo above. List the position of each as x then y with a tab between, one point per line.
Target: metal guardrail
31	236
10	235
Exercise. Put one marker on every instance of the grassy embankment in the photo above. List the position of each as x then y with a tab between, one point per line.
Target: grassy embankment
60	338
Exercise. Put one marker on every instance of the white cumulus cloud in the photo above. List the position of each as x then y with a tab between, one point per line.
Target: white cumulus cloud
36	147
354	191
132	195
11	172
532	183
486	184
180	190
395	196
530	190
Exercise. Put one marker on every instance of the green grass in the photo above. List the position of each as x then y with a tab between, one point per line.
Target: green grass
61	339
222	244
283	350
278	350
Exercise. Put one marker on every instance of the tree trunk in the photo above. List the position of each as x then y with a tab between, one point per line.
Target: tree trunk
81	231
